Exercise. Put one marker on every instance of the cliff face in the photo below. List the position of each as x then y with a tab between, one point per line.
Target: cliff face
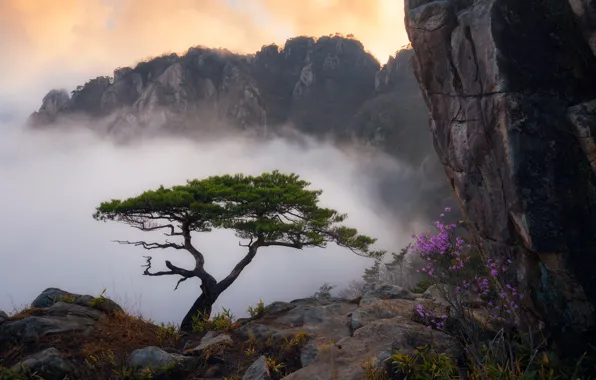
328	86
511	86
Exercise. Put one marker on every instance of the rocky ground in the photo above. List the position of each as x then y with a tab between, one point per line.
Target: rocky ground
64	335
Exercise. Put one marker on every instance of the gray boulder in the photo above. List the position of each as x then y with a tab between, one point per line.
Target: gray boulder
149	357
155	358
377	309
385	292
47	364
259	370
211	341
308	353
50	296
57	319
278	307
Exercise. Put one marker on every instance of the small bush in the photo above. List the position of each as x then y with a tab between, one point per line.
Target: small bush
257	311
67	298
374	372
95	302
223	321
422	286
168	333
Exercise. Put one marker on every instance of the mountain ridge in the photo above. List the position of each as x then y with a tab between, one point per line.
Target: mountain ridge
326	87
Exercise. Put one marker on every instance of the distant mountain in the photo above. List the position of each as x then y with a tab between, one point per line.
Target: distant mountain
327	87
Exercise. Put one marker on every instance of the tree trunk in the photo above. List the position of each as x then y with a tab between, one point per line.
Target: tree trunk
203	304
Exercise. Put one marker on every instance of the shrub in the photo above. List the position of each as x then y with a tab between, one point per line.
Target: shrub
222	321
258	310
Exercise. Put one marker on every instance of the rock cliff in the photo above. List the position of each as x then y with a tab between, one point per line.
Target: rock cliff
511	86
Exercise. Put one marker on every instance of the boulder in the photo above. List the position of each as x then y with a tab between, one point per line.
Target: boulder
380	309
503	80
385	292
278	307
103	304
211	341
59	318
47	364
308	353
52	295
259	370
375	341
158	360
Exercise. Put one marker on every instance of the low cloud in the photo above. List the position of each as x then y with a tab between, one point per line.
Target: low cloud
52	182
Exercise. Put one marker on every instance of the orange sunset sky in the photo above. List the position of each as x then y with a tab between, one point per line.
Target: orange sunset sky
62	43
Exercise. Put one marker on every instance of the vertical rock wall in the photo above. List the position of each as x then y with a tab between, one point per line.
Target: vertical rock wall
511	88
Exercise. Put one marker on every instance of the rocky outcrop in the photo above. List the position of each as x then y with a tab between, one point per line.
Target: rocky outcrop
322	338
510	85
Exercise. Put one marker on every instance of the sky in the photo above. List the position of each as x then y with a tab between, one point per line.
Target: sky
51	182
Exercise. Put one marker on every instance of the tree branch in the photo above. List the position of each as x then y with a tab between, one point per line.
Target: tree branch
148	246
186	274
149	227
252	251
295	245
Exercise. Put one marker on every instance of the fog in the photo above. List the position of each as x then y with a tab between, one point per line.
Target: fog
51	183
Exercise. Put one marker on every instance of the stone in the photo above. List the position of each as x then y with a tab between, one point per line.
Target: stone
3	317
259	370
386	292
308	353
380	309
211	371
504	81
278	307
149	357
59	318
210	341
50	296
47	364
103	304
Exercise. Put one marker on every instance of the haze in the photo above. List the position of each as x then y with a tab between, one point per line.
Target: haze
51	182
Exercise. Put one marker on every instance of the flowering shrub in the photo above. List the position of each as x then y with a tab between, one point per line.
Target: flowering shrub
430	317
463	277
448	264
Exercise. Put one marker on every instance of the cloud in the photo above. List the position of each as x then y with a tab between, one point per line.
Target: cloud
56	179
62	43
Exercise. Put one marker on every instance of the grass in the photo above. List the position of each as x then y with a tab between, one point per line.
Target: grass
24	313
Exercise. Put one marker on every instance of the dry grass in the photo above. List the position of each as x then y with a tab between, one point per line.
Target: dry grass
24	313
122	333
102	353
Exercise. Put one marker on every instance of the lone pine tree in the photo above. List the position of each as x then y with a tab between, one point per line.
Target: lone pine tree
272	209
